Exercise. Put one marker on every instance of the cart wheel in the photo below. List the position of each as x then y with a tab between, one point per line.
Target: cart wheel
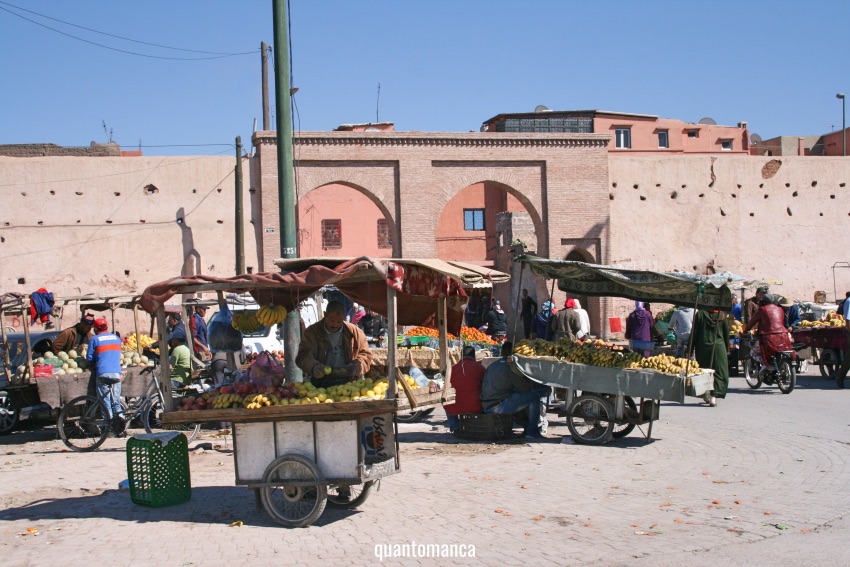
297	492
83	423
151	422
751	373
590	420
787	377
349	497
829	362
623	429
9	414
414	416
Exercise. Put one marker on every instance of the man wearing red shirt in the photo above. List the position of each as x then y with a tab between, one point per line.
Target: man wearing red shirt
466	378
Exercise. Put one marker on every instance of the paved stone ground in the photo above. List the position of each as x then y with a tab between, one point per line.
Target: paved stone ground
762	479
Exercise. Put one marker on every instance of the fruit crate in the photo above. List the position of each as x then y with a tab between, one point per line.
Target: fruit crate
484	426
158	469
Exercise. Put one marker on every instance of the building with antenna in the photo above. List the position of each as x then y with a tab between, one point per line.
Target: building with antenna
630	133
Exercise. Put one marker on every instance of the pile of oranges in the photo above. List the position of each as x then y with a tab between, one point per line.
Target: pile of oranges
473	335
426	332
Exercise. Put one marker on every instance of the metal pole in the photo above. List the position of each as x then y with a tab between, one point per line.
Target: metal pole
285	176
264	50
240	229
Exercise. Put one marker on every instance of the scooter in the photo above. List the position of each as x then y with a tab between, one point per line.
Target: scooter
783	371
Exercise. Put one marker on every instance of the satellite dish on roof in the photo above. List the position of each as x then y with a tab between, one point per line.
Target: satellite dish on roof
541	108
755	139
708	121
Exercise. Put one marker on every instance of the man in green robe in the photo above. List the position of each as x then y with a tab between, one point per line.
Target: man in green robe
711	343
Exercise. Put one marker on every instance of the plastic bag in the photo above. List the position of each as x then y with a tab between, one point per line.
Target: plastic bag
418	376
223	337
266	371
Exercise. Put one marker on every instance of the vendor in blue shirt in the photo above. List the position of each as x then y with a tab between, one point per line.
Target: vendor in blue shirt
199	334
104	358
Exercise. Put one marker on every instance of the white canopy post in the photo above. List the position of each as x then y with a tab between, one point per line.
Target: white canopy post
165	370
392	345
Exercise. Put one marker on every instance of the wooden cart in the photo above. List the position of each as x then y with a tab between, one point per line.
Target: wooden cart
300	458
606	407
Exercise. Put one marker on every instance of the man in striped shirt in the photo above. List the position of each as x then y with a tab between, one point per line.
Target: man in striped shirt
104	358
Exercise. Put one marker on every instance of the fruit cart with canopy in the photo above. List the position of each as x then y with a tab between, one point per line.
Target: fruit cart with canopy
300	457
33	382
606	407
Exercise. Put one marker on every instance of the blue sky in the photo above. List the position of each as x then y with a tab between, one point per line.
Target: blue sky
443	66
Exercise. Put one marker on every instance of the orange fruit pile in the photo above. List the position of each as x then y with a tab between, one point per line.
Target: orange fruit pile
427	332
473	335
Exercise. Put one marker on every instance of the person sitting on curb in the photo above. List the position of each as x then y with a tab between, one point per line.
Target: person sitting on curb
506	391
467	376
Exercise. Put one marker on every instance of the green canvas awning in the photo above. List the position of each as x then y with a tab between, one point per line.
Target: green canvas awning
678	288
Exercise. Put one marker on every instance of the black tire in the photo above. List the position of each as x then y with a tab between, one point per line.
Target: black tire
83	424
9	414
590	420
357	495
414	416
829	363
294	505
786	378
623	429
751	373
151	422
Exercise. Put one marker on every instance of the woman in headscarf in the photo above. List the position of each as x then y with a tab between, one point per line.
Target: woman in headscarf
540	324
584	318
711	343
565	324
639	325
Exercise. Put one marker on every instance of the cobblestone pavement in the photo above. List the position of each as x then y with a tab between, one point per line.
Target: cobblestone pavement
762	479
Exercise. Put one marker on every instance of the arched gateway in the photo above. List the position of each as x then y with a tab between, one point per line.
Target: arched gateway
560	180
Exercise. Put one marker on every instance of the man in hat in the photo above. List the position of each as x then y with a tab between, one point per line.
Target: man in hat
199	333
104	358
179	357
792	313
752	304
72	337
333	351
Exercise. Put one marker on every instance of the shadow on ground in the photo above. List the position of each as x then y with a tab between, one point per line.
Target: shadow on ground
209	505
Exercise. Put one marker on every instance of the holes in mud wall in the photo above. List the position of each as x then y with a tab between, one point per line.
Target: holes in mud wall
635	186
794	194
23	193
6	223
142	221
52	192
658	185
752	214
701	195
814	183
820	214
683	186
832	196
126	272
722	213
117	193
220	221
610	196
841	184
78	193
2	239
109	222
22	280
739	185
614	185
734	196
150	189
787	185
40	223
788	210
766	195
218	190
674	194
642	198
761	185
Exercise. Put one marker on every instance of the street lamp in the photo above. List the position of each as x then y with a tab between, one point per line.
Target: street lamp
843	125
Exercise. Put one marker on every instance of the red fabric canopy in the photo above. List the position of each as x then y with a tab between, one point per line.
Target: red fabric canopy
364	280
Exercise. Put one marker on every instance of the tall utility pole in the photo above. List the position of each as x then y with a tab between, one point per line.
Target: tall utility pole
264	50
285	176
240	229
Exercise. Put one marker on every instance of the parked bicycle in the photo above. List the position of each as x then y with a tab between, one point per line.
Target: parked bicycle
84	422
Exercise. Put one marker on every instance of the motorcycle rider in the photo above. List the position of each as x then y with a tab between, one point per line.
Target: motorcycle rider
773	335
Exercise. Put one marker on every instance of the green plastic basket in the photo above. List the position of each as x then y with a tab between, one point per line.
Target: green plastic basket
159	474
419	341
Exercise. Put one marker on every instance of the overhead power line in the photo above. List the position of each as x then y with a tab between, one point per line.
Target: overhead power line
212	54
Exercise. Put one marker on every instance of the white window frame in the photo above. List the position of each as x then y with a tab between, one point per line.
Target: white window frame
623	137
666	134
726	145
693	133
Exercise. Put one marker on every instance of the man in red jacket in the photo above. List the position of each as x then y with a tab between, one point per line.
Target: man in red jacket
466	378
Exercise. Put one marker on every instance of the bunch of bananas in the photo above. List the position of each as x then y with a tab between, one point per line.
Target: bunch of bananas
245	322
260	401
667	364
271	314
224	401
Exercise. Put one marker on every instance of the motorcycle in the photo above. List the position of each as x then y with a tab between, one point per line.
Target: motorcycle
782	372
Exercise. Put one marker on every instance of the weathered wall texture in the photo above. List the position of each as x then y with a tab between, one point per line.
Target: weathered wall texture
110	225
685	213
41	150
